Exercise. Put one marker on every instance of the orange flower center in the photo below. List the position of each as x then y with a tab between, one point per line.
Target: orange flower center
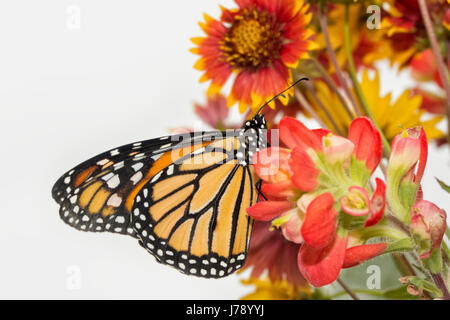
252	40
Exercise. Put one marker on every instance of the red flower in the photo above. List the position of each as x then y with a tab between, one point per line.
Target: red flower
358	254
259	41
322	266
367	142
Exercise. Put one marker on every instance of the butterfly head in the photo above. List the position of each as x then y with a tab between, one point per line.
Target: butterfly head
254	136
257	122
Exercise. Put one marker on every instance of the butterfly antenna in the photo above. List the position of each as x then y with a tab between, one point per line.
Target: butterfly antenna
281	94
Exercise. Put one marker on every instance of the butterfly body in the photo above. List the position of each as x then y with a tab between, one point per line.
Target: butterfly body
184	197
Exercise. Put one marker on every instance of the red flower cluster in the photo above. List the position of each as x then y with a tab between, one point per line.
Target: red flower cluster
317	185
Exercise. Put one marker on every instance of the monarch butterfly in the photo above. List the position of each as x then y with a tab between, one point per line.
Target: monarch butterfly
184	197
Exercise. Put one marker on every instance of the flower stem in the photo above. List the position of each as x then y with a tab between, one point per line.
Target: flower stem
332	55
333	86
440	283
361	291
443	73
324	109
305	104
358	89
403	264
446	251
347	289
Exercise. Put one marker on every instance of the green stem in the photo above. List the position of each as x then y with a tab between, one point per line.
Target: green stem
347	289
403	264
332	55
305	104
446	250
358	89
324	109
360	291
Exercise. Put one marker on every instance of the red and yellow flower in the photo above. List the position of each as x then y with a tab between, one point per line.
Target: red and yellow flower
405	27
258	42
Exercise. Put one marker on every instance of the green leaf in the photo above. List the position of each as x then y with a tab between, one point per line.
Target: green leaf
443	185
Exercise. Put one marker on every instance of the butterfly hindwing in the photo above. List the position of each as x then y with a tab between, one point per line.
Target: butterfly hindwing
192	214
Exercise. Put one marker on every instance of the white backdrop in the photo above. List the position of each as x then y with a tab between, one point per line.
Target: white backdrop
69	93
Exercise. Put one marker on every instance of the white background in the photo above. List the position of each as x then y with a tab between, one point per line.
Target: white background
68	94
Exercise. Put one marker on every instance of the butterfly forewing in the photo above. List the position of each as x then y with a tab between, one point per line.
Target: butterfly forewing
93	196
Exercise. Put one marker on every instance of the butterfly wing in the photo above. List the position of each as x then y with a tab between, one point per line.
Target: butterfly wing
192	214
94	195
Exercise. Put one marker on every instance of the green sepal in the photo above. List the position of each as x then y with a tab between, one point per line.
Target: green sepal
424	285
434	262
358	171
403	245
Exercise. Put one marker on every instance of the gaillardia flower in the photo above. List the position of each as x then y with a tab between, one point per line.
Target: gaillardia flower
257	42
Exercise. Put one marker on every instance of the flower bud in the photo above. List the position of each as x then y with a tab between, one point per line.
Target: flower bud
409	150
336	149
405	151
428	223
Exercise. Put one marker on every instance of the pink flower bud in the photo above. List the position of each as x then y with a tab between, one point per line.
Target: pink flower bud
405	170
405	150
291	229
428	223
336	149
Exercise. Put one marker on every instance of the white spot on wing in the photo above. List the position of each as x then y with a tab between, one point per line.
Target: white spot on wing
136	177
114	200
113	182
